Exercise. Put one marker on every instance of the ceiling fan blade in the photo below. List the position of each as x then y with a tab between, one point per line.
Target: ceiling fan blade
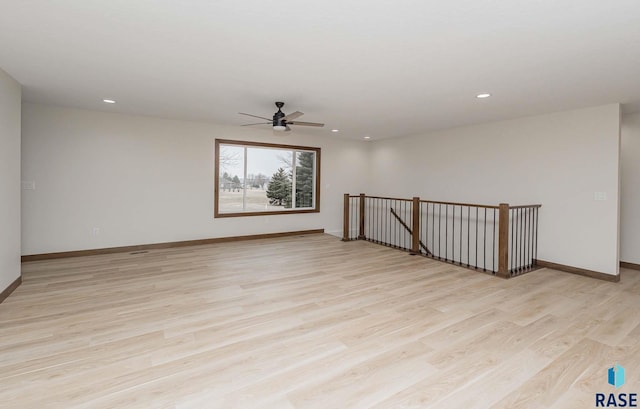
255	116
293	115
305	123
287	129
259	123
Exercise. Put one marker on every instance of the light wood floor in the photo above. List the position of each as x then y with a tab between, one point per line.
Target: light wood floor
309	322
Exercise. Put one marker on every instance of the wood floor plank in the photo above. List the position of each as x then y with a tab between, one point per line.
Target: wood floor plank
309	322
547	386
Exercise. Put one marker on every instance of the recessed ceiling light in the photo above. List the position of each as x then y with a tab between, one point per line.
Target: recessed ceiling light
108	101
335	130
367	137
486	95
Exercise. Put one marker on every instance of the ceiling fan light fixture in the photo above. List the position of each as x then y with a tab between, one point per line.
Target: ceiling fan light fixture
279	128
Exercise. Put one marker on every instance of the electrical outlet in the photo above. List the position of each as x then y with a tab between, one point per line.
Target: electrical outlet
28	185
96	231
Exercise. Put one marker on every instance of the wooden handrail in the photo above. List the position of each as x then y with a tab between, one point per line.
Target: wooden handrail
460	204
526	206
388	198
447	203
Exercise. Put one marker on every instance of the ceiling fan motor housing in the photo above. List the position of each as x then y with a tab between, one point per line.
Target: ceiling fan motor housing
277	117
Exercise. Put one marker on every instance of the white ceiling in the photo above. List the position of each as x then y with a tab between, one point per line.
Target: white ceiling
382	68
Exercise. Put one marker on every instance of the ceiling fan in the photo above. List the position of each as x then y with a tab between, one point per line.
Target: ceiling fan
280	121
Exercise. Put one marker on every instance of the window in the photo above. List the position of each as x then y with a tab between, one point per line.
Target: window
253	178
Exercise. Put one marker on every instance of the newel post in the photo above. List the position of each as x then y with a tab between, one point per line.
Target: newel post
503	241
415	228
345	219
361	235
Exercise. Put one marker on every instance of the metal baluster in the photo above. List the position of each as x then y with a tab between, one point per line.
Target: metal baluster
517	240
379	221
514	245
367	216
524	236
405	217
390	223
384	222
484	242
476	266
520	240
535	252
402	217
531	210
373	220
439	230
371	210
424	229
453	234
350	217
379	203
433	228
370	220
356	213
493	248
409	217
354	217
460	258
468	235
378	235
395	225
410	237
512	254
364	216
525	261
446	232
529	237
399	225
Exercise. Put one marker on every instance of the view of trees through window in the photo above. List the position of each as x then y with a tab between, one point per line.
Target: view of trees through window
265	178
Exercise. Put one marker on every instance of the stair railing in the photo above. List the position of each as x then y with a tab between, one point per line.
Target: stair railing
500	240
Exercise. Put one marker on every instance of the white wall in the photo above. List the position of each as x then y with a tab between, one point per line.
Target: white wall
10	96
148	180
559	160
630	189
